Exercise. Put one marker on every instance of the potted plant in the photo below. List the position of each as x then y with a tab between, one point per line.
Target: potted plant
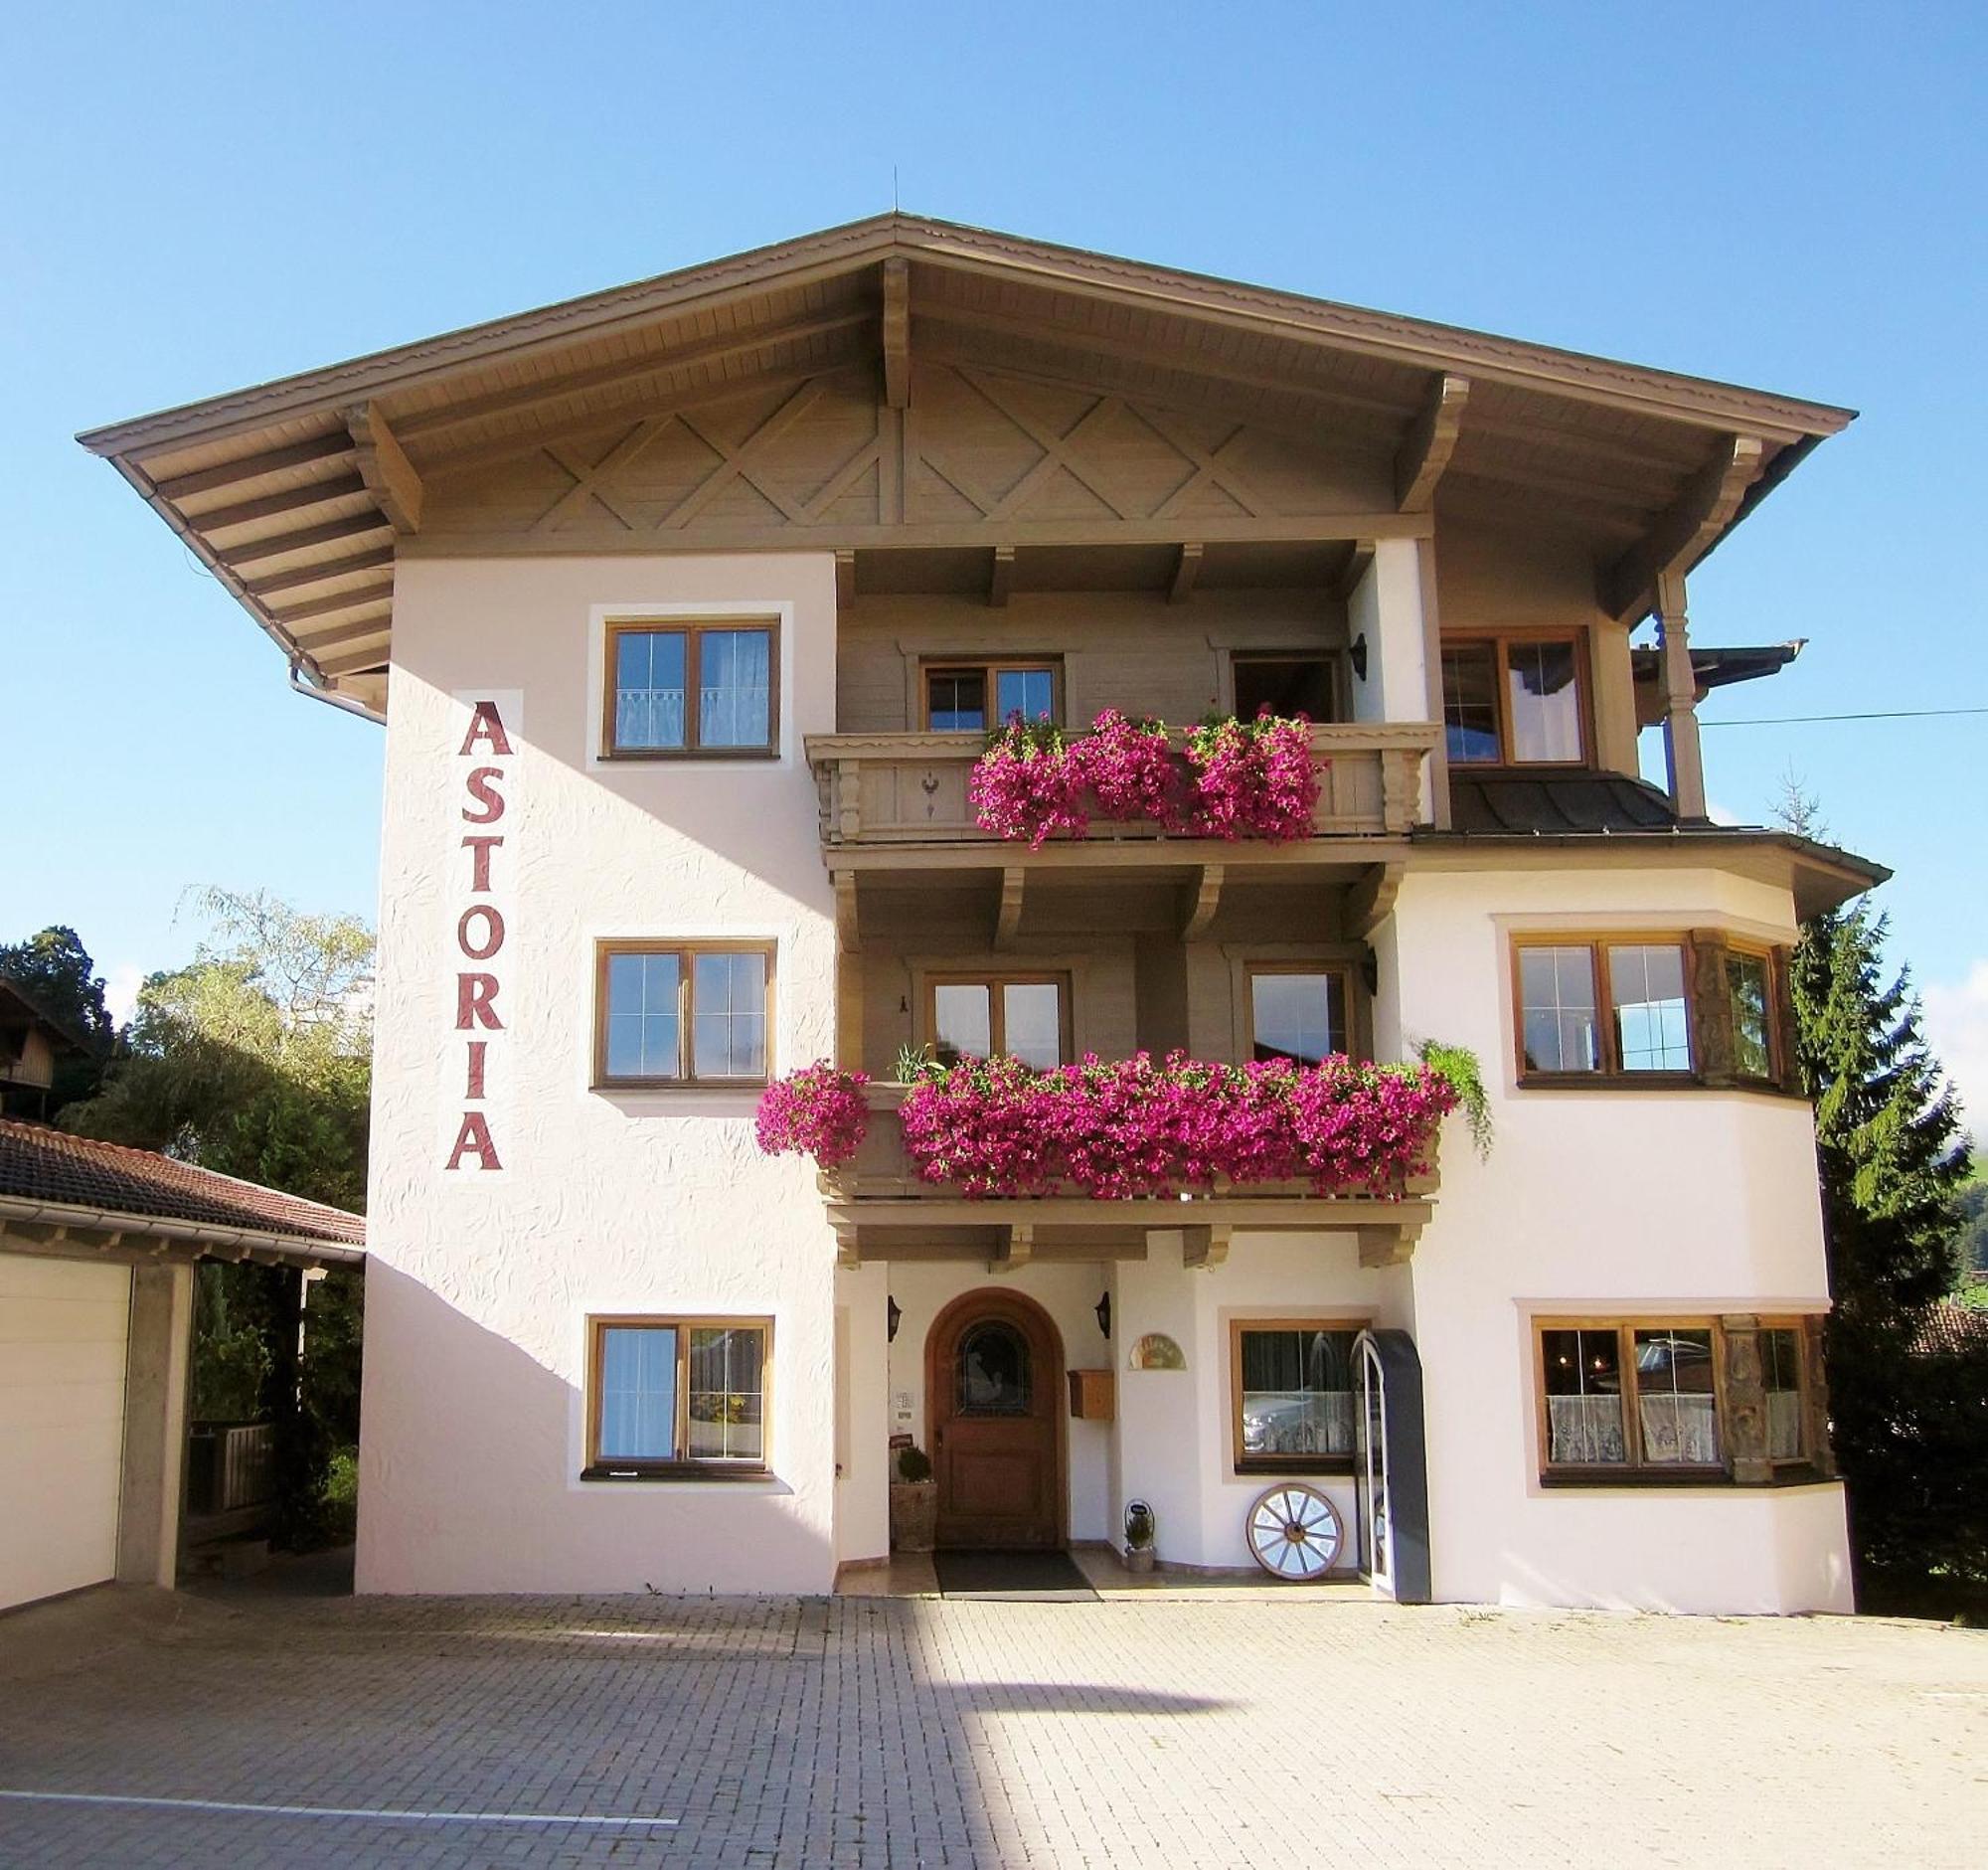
914	1501
1139	1530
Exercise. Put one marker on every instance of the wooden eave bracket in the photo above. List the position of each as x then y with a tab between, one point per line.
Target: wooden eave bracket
847	937
1204	1247
1008	920
1018	1245
1426	449
1370	900
1387	1246
1001	576
845	579
1187	572
1207	900
1687	529
388	475
897	332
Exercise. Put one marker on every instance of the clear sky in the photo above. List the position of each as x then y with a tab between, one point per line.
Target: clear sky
196	197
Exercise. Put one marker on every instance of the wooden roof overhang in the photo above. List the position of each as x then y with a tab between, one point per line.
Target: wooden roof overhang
56	1230
724	382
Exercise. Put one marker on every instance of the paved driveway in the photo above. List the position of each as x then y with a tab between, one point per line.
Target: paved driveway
882	1731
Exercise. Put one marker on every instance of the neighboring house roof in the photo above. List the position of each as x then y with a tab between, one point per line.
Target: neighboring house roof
1951	1326
1721	668
18	1006
49	1170
301	494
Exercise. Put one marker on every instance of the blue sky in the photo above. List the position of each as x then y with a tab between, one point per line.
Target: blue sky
199	197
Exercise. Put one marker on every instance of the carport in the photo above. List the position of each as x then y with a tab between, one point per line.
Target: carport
98	1246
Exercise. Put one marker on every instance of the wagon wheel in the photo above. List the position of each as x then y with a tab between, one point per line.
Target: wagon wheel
1294	1532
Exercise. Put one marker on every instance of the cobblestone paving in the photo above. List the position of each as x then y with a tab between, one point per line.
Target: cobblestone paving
896	1732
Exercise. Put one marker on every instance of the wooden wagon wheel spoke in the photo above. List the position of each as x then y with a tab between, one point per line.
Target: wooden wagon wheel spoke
1294	1532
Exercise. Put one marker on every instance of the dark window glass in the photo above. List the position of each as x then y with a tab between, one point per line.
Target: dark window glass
1584	1384
956	701
1296	1393
1557	1009
992	1371
1471	703
649	688
1675	1398
1299	1016
1750	987
1544	700
1286	685
1780	1375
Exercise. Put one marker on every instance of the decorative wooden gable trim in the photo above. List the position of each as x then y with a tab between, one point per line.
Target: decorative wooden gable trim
975	456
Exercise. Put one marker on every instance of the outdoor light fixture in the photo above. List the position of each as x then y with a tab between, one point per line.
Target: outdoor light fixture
1104	1315
1357	656
893	1314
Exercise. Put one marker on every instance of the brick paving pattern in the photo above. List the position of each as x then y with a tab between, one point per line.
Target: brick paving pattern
898	1733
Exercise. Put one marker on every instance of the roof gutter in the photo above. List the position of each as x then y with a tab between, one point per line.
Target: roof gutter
294	1248
348	703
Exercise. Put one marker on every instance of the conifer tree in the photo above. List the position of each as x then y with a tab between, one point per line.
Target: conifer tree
1891	1160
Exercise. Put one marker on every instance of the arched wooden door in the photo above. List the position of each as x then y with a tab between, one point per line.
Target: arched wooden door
994	1385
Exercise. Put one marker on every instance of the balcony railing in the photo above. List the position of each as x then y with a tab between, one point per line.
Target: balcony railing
881	1207
911	788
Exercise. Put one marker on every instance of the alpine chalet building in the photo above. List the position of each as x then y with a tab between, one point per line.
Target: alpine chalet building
690	610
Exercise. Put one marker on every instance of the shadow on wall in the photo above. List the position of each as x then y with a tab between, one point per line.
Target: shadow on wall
497	1505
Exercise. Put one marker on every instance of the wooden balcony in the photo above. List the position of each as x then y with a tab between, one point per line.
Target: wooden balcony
883	789
881	1210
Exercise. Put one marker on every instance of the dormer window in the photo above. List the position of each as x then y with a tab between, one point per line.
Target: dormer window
1513	701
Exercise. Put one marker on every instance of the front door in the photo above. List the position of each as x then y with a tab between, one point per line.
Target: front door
993	1383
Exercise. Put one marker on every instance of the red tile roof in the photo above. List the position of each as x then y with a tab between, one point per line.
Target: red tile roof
38	1163
1951	1326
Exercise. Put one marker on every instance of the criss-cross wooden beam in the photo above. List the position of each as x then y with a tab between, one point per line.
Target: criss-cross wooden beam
897	333
737	463
1058	450
1426	450
1685	530
588	476
1210	467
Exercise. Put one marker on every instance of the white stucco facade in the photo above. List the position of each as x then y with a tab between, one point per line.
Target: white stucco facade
627	1202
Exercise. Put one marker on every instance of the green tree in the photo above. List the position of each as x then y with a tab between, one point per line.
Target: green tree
1892	1161
254	1059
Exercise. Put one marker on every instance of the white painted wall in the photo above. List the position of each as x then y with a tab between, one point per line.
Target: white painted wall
62	1329
1602	1202
479	1287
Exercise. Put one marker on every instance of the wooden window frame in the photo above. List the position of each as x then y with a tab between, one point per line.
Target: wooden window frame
693	630
1242	1463
931	979
1332	660
1807	1377
1250	969
682	1467
1610	1072
687	952
1583	684
1636	1471
928	666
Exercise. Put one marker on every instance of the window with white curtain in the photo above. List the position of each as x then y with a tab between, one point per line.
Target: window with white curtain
673	1396
692	688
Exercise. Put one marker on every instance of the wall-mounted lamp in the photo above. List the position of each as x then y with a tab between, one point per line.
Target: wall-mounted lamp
1104	1315
892	1318
1357	656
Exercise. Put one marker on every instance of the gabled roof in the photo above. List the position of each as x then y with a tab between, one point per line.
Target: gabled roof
19	1007
301	493
48	1171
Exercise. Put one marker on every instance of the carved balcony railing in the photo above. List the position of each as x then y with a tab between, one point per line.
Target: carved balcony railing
911	788
880	1208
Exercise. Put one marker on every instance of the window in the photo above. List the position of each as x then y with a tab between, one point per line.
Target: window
1567	1030
1292	1389
1297	1012
672	1013
1627	1398
1286	685
958	695
676	1396
693	688
1513	701
1749	992
992	1373
1015	1016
